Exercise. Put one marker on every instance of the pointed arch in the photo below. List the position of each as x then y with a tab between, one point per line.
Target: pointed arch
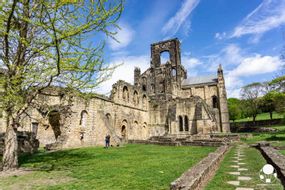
83	118
125	93
186	123
180	121
215	101
144	101
136	98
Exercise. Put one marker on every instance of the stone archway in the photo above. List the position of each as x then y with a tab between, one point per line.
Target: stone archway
124	133
54	121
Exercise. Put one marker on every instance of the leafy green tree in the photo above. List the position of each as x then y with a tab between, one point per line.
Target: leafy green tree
273	101
278	83
251	94
234	106
50	42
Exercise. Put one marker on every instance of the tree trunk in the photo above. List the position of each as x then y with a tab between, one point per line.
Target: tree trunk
271	115
254	117
10	154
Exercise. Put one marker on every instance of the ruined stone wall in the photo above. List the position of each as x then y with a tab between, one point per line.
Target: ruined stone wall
198	119
89	122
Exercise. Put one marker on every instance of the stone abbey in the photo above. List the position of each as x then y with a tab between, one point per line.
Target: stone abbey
163	101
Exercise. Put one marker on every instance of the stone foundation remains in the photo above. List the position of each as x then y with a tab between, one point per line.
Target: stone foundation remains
275	158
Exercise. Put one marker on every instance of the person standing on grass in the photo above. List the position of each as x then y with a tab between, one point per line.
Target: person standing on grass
107	141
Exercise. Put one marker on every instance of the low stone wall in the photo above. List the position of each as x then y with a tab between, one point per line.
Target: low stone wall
236	125
26	142
275	158
198	176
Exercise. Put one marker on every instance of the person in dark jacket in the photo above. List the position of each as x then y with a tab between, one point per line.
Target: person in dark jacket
107	141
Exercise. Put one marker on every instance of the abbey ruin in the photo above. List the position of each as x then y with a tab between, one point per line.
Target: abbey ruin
163	101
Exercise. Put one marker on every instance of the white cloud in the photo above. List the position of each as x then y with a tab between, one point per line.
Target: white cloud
189	62
124	37
267	16
220	36
125	71
248	67
230	55
233	86
239	66
175	22
257	65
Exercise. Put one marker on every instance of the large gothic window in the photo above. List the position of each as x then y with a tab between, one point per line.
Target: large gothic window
164	57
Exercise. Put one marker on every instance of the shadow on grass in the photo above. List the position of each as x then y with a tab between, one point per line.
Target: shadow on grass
49	161
275	138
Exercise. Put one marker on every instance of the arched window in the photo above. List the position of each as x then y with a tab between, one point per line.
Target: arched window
164	57
83	118
215	101
124	129
125	94
186	123
123	132
180	119
136	98
173	72
144	81
108	116
108	120
144	101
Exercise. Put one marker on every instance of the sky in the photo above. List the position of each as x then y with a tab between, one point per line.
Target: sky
245	36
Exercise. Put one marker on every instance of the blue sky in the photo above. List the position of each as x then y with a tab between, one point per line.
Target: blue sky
245	36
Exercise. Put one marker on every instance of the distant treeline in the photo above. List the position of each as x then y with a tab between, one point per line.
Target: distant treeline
256	98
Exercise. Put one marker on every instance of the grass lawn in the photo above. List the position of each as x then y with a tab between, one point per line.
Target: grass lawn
130	167
282	152
261	116
253	162
276	139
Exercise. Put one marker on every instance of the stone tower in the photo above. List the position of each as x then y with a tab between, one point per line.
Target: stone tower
137	73
167	77
224	112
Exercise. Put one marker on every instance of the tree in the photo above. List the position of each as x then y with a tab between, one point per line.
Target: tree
251	94
234	106
278	83
50	42
268	103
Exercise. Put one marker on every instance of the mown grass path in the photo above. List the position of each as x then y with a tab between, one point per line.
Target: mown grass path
130	167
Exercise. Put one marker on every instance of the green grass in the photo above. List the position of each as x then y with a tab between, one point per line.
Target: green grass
130	167
261	116
275	139
253	162
282	152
